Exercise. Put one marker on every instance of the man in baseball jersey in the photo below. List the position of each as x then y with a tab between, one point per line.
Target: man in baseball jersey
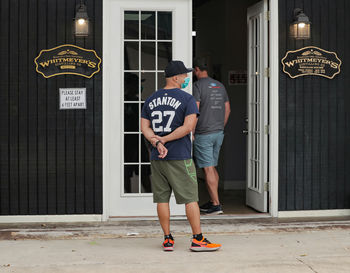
168	117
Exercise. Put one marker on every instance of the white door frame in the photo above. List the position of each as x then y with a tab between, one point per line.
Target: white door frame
114	202
274	107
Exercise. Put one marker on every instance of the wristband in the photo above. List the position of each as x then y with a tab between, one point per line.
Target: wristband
158	141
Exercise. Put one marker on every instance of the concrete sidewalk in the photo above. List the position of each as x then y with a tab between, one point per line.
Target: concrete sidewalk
248	246
305	251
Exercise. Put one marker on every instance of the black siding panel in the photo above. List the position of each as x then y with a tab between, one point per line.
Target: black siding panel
52	99
98	112
80	151
50	159
282	188
347	109
33	111
316	106
4	107
314	114
307	133
70	123
61	123
299	139
13	103
89	131
332	106
23	108
42	113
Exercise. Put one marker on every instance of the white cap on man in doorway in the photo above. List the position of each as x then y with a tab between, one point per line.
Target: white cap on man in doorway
176	68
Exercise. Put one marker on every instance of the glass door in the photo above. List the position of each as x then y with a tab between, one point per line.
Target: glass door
147	43
256	191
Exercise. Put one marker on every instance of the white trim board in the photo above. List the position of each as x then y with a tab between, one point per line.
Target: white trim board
50	218
106	120
314	213
203	217
274	106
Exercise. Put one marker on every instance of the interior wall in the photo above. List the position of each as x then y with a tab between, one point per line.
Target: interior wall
221	37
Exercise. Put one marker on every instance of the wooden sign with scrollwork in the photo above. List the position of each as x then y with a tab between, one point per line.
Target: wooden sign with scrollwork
67	59
311	60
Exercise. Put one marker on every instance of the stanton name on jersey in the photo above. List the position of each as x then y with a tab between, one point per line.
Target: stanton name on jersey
164	101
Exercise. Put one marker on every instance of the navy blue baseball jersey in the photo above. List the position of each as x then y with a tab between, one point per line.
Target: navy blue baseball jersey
167	109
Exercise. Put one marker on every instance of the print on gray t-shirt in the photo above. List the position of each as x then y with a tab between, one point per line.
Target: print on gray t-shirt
212	96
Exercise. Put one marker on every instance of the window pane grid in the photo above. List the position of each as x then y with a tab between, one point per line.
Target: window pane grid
156	74
255	102
143	68
140	65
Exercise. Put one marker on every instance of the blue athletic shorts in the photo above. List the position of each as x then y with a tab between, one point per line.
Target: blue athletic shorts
206	149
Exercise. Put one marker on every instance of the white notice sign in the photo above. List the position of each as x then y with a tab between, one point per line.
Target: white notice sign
72	98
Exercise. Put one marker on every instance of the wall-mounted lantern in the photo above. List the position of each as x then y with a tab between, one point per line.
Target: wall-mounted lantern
81	21
301	27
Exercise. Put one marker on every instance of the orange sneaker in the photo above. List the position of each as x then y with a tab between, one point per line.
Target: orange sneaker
168	244
203	245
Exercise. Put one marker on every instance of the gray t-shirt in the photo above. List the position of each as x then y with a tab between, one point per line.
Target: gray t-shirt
212	96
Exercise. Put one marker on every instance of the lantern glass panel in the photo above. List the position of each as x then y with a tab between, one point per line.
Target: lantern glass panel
300	30
81	27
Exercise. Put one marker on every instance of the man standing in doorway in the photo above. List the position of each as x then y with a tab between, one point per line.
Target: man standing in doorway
214	108
168	117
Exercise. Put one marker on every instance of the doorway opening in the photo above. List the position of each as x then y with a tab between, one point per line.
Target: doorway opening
231	44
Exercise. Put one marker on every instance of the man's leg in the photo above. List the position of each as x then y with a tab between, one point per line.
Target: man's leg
163	211
193	216
212	180
199	243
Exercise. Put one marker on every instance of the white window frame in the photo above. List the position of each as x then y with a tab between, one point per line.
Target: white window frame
139	72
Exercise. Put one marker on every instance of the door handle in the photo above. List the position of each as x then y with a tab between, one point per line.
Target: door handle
245	132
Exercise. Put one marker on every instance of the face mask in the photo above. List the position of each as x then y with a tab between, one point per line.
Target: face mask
185	84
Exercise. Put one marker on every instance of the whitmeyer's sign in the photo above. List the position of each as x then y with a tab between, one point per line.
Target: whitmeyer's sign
311	60
67	59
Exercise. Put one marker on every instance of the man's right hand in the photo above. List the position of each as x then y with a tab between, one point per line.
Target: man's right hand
162	150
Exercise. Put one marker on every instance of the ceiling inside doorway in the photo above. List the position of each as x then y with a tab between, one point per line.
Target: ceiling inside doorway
198	3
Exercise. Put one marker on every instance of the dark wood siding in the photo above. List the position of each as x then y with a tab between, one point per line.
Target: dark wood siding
50	159
314	167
